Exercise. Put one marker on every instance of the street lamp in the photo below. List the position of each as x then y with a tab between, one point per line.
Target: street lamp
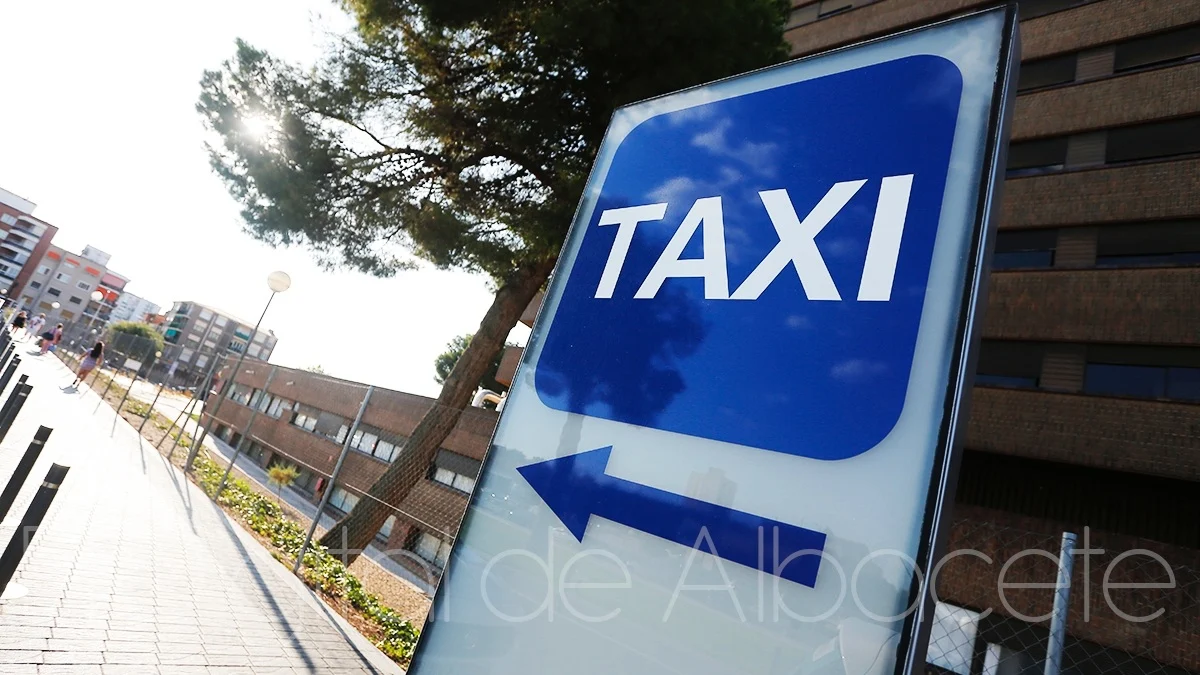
96	297
278	282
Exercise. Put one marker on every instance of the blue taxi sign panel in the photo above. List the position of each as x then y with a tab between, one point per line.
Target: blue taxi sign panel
806	236
729	439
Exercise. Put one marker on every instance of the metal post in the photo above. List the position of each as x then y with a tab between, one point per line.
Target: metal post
136	374
1062	605
237	451
30	523
152	404
20	395
337	468
181	420
187	466
22	471
196	399
111	378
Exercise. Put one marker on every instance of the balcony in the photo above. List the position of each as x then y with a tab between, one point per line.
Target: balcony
1153	306
19	243
13	254
28	229
1138	436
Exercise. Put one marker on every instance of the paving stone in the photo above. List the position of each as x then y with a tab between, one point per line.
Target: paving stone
57	669
135	571
73	658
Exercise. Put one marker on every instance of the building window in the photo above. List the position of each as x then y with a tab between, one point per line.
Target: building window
432	549
1016	365
1149	244
75	301
185	355
239	393
201	361
62	276
237	346
1028	158
205	315
279	406
1171	47
331	426
1024	249
342	500
44	269
454	480
8	219
84	286
253	352
305	417
1109	379
385	532
220	322
455	470
53	291
35	285
386	450
1153	141
1047	72
1143	372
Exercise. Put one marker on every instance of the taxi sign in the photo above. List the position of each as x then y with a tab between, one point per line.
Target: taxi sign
730	442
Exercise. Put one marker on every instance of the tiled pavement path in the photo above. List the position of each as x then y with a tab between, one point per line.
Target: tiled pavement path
135	570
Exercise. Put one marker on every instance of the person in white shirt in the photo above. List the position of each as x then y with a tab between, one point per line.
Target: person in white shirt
36	324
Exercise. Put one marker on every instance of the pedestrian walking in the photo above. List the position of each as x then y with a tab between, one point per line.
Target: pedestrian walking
51	338
89	363
19	322
36	324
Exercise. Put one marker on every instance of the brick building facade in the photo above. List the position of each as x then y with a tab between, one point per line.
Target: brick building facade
304	418
1086	410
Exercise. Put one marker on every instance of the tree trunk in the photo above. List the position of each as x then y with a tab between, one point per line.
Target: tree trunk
351	535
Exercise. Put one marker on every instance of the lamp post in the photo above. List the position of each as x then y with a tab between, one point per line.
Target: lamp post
278	282
96	297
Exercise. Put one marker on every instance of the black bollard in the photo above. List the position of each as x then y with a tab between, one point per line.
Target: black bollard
8	373
12	398
22	471
30	523
21	394
8	352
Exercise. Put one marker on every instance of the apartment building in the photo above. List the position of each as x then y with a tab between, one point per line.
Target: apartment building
23	238
304	419
1086	409
195	334
131	307
62	283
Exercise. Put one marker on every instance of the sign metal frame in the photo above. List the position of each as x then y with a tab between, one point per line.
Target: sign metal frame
933	536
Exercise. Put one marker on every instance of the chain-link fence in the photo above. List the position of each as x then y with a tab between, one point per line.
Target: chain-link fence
1134	605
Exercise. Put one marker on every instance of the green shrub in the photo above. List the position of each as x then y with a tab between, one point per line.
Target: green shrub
138	408
320	570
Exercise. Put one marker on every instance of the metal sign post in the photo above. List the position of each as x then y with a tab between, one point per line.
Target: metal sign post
730	442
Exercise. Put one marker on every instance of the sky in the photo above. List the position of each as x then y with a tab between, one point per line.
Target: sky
98	127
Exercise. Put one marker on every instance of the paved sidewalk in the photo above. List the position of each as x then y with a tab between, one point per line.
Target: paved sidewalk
136	570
